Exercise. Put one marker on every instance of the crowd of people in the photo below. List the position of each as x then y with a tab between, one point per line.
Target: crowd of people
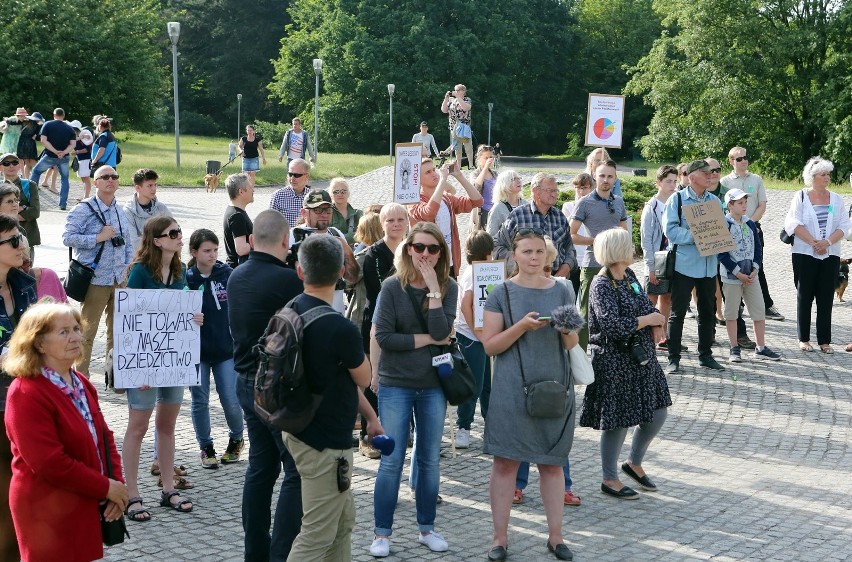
387	286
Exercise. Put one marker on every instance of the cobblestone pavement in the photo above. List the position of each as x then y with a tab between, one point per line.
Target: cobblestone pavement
750	469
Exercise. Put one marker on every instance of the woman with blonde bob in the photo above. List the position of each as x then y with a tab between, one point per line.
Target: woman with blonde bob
413	320
508	189
344	217
60	442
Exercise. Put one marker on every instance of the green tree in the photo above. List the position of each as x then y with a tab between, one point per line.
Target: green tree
516	54
738	72
88	56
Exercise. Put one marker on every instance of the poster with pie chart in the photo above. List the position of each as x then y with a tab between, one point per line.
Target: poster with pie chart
605	120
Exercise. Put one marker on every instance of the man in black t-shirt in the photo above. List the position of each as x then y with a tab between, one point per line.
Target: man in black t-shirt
59	140
237	224
323	451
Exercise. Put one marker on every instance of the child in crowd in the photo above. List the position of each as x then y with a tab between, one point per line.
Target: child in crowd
738	270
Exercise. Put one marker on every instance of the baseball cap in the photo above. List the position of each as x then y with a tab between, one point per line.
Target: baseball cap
75	124
735	195
316	198
424	124
9	155
696	165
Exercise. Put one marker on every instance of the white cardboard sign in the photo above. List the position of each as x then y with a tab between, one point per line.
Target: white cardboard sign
406	173
486	276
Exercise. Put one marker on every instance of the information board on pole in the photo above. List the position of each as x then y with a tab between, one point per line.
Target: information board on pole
156	343
406	172
605	120
486	276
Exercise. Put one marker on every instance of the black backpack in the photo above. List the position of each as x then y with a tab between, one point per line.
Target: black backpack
282	396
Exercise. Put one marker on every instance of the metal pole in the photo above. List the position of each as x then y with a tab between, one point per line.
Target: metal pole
239	99
316	118
177	110
390	136
490	107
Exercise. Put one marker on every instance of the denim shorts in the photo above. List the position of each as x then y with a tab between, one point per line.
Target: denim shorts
147	399
251	164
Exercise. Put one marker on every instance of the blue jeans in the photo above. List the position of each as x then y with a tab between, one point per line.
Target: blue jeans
48	162
395	408
523	476
481	367
226	379
267	454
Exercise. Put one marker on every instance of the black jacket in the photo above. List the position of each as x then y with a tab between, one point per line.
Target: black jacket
216	342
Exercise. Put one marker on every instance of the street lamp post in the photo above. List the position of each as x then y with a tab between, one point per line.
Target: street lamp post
391	88
239	99
173	28
317	71
490	108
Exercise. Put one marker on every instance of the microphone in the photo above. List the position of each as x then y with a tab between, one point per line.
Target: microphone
567	318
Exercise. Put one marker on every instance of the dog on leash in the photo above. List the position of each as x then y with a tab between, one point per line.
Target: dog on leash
843	278
211	182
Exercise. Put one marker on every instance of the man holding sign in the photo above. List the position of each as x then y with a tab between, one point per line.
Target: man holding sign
692	269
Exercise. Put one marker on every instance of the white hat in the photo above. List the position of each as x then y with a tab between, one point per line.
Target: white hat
86	137
735	195
76	124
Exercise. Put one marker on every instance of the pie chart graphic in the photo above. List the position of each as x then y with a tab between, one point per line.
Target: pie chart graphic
603	128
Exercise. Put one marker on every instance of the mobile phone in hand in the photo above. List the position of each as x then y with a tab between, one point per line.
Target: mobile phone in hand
454	166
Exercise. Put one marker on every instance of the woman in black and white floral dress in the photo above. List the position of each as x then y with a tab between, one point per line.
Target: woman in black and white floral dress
625	393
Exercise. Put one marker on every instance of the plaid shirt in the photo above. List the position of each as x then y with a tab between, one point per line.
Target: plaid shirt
289	203
77	394
554	224
82	228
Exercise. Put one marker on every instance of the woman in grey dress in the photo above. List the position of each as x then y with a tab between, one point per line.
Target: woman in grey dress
514	333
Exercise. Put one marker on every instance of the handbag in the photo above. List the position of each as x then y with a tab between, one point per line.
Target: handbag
789	238
462	131
112	532
80	276
581	368
544	399
75	164
664	263
459	386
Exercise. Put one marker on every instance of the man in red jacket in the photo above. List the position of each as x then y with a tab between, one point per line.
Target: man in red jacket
440	207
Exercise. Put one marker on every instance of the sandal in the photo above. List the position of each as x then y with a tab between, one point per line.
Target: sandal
825	348
806	346
166	501
849	347
139	515
181	483
179	470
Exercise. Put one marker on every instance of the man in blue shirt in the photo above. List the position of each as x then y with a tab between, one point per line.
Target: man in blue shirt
59	140
691	268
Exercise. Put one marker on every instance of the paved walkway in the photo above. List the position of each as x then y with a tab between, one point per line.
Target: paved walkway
752	469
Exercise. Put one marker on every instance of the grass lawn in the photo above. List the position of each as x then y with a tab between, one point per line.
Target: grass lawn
157	151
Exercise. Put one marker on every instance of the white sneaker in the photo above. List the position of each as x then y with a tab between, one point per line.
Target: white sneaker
434	541
380	547
462	438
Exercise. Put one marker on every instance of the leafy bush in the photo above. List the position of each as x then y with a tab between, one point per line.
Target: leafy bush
272	133
192	123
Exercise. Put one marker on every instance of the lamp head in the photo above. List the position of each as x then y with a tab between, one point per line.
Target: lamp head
173	28
239	97
318	66
490	106
391	88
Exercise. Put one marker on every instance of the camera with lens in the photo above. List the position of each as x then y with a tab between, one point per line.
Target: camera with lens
117	241
633	348
299	234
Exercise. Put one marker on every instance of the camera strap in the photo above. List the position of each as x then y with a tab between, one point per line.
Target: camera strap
102	216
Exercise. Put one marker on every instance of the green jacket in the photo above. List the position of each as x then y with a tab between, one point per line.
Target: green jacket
346	225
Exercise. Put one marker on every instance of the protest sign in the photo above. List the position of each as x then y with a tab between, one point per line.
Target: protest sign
486	276
709	229
406	173
605	120
156	343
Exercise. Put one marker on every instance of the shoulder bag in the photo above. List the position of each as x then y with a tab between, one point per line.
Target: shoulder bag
112	532
80	275
788	238
545	399
664	260
460	386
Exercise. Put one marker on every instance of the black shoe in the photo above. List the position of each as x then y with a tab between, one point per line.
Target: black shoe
746	343
497	553
710	363
560	551
673	366
644	481
61	208
626	493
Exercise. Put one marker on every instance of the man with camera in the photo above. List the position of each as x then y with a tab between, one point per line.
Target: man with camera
316	213
100	232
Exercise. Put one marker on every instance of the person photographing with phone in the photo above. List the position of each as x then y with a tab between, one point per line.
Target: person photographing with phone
457	106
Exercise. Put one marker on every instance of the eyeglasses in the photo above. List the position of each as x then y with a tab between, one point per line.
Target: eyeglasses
741	158
173	233
433	249
530	231
294	175
715	170
340	191
10	162
321	210
108	177
15	241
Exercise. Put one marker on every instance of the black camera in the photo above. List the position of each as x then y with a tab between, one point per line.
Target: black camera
302	232
117	241
633	348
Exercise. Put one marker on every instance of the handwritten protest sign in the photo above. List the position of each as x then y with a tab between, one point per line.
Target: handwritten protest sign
486	276
709	228
156	341
406	173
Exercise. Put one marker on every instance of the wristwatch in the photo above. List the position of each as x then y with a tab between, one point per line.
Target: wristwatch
435	295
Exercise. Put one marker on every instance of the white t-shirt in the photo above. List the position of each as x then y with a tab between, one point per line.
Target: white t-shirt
443	220
296	142
465	284
568	211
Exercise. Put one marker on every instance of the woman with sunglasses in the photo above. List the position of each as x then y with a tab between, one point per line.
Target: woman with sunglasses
526	349
413	320
344	217
156	265
483	178
17	293
507	187
29	205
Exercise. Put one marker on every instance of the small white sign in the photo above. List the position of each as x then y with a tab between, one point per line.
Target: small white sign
441	359
156	341
605	120
486	276
406	173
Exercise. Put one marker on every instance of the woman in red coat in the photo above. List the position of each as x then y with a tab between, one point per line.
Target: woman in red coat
60	442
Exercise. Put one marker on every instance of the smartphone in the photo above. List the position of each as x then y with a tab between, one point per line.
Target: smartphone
544	318
454	166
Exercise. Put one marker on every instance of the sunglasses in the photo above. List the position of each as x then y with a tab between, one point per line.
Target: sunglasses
343	480
528	231
15	241
741	158
715	170
433	249
108	177
610	204
340	191
173	233
10	162
294	175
